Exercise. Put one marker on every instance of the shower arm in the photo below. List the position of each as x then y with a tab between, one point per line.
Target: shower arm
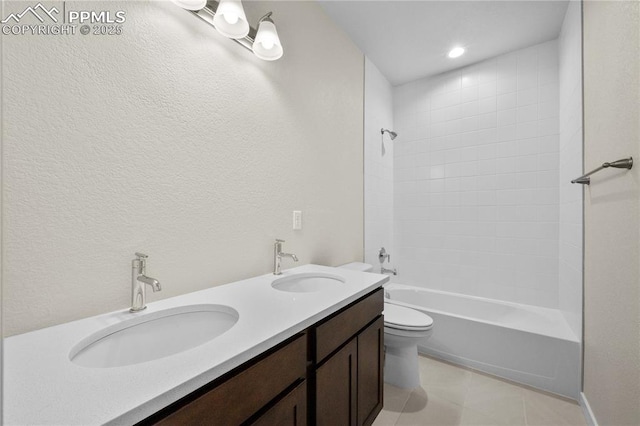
392	134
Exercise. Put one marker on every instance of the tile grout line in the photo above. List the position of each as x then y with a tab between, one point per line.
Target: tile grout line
402	410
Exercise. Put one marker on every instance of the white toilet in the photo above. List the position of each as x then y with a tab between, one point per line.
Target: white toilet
403	329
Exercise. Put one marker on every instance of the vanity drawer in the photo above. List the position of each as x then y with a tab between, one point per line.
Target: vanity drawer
238	398
334	332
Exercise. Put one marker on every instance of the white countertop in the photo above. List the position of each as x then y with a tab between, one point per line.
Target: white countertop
42	385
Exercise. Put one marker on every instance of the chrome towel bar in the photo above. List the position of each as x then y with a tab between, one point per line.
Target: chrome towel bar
625	163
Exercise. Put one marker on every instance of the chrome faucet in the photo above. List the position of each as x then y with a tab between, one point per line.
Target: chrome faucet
384	270
278	255
382	256
139	281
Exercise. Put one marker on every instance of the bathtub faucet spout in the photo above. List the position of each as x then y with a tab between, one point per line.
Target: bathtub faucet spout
384	270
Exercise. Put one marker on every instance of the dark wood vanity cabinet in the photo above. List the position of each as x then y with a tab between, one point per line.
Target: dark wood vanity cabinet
245	392
330	374
349	375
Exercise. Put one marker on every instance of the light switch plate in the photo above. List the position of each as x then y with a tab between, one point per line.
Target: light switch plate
297	220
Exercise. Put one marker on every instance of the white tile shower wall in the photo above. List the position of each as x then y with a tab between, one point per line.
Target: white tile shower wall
570	256
378	164
476	179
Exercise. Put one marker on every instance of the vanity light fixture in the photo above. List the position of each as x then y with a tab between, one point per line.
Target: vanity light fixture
455	52
228	17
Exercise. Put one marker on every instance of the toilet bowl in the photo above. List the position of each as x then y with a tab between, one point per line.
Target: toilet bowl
403	329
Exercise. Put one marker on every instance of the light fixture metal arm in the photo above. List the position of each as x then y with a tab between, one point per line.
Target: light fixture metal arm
266	17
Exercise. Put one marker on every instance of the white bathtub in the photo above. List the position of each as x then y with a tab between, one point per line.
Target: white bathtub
523	343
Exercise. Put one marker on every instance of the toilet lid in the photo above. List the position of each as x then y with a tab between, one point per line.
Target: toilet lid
400	317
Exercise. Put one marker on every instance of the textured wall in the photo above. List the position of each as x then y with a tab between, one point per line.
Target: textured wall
570	238
378	165
476	178
173	141
612	208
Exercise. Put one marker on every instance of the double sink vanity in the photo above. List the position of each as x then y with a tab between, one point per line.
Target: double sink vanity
304	347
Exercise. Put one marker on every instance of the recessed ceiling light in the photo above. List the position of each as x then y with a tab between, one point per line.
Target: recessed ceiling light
456	51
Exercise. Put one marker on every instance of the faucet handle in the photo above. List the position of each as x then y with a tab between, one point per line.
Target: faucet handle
140	262
382	255
280	241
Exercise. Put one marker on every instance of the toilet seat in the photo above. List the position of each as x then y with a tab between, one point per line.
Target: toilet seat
405	319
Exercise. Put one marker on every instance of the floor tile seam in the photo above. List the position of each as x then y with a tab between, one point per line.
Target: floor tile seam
406	401
524	408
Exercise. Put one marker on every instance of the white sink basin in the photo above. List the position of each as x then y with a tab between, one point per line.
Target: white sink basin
153	336
308	282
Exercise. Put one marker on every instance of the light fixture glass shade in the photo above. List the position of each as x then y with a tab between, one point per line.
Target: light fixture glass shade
267	43
230	20
191	4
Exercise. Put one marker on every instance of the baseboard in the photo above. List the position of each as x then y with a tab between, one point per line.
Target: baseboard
586	410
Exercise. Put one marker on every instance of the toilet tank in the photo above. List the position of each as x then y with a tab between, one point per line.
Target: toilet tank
357	266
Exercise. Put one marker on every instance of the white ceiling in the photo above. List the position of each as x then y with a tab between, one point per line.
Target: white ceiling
408	40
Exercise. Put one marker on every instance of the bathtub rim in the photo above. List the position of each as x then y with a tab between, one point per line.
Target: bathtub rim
569	335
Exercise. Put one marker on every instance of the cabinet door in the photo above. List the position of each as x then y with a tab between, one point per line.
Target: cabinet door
370	371
336	388
289	411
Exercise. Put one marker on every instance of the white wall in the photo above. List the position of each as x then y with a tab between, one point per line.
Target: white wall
378	165
476	179
612	209
172	140
570	251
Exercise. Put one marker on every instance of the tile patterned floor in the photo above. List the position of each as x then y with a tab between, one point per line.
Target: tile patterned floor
452	395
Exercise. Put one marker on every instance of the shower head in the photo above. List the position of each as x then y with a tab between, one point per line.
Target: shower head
392	134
